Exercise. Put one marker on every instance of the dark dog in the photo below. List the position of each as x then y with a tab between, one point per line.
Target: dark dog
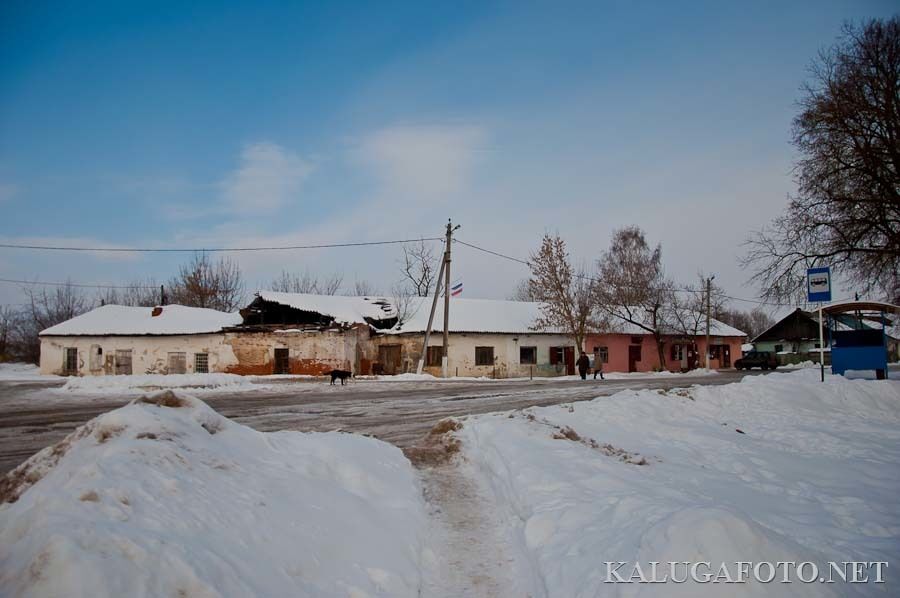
342	374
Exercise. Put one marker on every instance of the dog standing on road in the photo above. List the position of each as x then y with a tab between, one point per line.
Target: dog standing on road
342	374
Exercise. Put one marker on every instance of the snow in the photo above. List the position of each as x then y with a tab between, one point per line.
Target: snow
22	371
140	383
802	364
346	310
809	477
165	497
125	320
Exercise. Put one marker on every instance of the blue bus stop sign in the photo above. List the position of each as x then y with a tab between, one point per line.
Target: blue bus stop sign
818	284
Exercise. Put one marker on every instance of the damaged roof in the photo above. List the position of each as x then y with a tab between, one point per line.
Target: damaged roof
344	310
121	320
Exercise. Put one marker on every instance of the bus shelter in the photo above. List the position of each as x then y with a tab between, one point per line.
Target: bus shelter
857	335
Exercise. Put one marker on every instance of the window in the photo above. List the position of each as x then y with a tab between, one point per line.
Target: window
434	356
528	355
484	356
70	360
201	363
637	340
123	362
677	352
557	355
177	363
602	353
779	348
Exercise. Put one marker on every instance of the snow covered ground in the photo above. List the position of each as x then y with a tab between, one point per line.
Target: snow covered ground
774	468
141	383
22	371
164	497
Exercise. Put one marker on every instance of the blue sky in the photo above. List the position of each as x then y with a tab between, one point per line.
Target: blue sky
156	124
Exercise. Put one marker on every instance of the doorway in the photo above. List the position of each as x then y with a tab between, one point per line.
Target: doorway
389	358
282	362
634	356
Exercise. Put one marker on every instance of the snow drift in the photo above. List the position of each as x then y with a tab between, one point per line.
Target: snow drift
777	467
141	383
165	497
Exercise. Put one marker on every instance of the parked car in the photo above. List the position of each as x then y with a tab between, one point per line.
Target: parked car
757	359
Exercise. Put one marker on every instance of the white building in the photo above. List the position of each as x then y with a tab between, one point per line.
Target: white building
114	339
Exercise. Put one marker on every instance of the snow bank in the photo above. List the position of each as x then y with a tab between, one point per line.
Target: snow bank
140	383
165	497
777	467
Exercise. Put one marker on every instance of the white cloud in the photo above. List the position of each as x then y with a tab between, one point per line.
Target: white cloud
268	177
424	162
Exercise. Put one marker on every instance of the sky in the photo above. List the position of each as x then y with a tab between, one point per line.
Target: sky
138	124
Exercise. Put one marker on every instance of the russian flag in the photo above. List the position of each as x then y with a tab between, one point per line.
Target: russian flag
456	290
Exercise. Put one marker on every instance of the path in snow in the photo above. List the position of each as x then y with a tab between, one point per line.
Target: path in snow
472	557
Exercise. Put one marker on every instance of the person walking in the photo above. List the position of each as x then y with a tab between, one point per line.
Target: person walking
598	365
583	364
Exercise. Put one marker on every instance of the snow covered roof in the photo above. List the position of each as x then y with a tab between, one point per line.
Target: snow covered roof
121	320
466	315
474	315
345	310
716	328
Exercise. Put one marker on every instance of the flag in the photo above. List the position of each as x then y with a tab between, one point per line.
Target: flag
456	290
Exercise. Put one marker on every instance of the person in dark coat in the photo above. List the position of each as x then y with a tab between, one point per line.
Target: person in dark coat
583	364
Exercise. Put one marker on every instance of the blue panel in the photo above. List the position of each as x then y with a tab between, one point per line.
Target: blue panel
858	358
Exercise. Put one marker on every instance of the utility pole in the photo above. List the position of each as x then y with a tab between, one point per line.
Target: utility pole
446	352
434	302
709	280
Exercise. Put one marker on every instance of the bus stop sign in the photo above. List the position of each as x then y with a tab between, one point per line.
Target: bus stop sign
818	284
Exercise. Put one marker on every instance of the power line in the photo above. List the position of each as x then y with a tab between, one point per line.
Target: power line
213	249
75	284
676	289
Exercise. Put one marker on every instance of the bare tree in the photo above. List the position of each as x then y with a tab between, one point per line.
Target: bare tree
632	286
684	311
308	283
364	288
203	282
565	293
846	212
9	318
46	308
144	293
419	267
753	322
406	304
522	292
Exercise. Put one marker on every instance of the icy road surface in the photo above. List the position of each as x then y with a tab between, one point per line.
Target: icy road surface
36	413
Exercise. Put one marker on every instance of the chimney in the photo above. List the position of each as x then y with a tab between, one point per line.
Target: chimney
156	311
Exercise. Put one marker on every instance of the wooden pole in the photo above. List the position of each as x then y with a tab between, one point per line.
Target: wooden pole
437	293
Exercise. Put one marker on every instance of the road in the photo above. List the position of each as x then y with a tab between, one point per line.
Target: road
33	414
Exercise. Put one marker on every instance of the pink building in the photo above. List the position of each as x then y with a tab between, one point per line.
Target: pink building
632	349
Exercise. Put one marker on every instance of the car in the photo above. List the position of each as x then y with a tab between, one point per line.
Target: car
757	359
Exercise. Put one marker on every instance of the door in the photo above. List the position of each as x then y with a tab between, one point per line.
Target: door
634	356
569	359
70	361
123	362
389	357
282	361
726	356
